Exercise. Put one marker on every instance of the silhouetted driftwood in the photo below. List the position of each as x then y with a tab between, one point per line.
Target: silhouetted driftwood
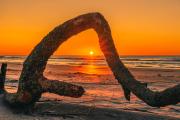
3	77
32	83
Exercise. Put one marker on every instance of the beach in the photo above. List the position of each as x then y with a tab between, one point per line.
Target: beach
102	90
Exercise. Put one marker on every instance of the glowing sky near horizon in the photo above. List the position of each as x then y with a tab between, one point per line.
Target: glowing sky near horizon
141	27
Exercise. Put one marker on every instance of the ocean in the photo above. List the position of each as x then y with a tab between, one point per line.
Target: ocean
102	90
163	62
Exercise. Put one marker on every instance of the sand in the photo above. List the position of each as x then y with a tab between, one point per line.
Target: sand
103	98
60	111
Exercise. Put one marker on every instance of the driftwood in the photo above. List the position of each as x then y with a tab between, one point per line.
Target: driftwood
32	83
26	98
3	77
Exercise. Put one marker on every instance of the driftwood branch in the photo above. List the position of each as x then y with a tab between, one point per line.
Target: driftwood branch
61	88
32	83
3	77
25	100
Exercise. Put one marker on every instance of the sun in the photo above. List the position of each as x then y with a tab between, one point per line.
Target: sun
91	52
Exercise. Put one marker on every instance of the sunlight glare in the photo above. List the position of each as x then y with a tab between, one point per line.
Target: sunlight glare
91	53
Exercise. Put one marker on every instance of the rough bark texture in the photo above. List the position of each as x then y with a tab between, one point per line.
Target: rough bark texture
61	88
32	83
3	77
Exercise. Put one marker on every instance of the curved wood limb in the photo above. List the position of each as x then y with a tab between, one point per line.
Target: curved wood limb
35	64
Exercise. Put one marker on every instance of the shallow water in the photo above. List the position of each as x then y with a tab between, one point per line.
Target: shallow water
102	90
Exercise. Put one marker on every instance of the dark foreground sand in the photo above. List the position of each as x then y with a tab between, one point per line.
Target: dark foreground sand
60	111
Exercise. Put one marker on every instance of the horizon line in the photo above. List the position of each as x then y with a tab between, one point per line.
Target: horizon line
96	55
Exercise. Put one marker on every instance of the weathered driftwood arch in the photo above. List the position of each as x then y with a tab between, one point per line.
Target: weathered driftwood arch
32	83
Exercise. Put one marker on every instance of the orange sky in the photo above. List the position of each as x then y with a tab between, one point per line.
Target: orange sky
142	27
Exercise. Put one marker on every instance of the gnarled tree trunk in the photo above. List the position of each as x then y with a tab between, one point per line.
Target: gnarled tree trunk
32	83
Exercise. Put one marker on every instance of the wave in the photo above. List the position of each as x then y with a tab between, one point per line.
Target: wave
12	57
130	61
128	58
15	69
